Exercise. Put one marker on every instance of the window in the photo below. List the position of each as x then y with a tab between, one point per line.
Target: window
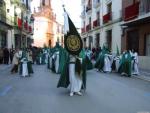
109	38
90	42
133	40
97	40
7	10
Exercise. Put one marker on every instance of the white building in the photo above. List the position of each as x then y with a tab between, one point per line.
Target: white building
101	23
17	23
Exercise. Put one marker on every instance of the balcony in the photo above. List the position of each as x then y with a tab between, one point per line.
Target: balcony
88	27
96	23
107	17
131	12
19	23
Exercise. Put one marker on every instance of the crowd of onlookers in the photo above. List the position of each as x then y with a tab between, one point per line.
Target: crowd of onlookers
6	55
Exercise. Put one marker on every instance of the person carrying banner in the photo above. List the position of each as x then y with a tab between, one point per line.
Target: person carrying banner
73	74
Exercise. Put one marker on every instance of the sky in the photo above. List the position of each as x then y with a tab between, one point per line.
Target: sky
73	7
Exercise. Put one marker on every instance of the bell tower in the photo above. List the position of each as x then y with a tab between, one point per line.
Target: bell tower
45	3
45	18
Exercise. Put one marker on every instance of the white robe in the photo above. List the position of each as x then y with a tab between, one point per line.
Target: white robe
24	68
50	61
117	63
135	64
107	64
75	80
57	62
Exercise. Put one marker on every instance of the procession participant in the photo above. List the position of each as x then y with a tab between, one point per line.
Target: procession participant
48	59
125	64
51	57
135	69
43	56
23	64
103	61
20	53
15	62
39	58
89	59
29	63
116	60
57	57
107	63
116	64
72	73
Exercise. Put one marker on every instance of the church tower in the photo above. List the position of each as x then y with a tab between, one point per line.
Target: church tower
43	24
45	3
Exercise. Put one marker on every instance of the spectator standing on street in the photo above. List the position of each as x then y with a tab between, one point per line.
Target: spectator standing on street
11	55
6	56
1	55
15	62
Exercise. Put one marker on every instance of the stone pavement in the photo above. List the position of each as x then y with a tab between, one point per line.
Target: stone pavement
144	74
105	93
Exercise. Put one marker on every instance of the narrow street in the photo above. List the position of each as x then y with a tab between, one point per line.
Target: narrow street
106	93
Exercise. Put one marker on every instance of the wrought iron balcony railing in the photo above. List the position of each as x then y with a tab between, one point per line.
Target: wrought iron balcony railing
131	12
107	17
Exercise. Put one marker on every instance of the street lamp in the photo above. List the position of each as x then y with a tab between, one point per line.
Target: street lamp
18	11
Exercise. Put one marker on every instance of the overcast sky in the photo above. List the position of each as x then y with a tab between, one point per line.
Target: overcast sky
73	7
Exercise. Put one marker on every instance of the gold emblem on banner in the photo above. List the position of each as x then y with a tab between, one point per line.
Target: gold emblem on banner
73	43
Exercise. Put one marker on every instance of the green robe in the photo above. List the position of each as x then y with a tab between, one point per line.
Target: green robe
89	64
100	60
125	64
62	55
64	78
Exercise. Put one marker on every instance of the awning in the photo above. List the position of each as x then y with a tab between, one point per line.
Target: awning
137	22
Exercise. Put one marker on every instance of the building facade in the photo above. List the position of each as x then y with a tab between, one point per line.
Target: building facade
136	29
45	24
101	23
17	20
122	23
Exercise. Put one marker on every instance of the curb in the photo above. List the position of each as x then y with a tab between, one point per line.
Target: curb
142	78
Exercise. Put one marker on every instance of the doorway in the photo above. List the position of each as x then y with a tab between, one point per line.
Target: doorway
133	40
148	45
